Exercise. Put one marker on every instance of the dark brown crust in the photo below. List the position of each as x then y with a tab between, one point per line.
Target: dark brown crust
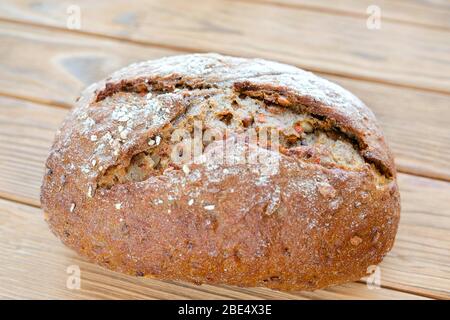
305	227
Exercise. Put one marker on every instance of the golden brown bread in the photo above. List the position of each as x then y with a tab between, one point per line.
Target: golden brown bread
314	207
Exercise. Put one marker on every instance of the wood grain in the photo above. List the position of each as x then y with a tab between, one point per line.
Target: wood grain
52	67
419	262
35	267
435	14
400	54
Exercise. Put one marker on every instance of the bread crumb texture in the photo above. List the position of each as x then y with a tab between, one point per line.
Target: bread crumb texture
215	169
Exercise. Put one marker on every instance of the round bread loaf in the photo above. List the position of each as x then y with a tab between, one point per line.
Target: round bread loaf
223	170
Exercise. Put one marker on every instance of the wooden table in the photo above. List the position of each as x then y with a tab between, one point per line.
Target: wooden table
402	71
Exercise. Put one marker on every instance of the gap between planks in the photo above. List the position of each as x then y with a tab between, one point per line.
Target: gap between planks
49	103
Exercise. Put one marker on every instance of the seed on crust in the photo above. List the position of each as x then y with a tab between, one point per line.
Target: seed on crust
124	134
283	101
326	190
355	241
186	169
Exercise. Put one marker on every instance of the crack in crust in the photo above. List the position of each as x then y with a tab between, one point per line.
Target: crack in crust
145	85
303	136
286	99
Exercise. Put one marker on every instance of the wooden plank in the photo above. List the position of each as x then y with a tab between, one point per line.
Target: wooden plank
26	134
420	261
421	253
401	54
36	267
53	67
435	14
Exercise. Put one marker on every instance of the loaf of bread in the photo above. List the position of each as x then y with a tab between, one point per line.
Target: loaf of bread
222	170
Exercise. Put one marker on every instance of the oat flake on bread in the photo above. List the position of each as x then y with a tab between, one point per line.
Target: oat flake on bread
314	207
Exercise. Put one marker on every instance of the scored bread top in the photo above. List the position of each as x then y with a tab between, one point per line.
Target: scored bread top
119	125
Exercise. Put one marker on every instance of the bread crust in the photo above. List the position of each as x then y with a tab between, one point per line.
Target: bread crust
301	226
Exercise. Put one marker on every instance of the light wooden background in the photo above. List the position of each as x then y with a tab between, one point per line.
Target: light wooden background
402	71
